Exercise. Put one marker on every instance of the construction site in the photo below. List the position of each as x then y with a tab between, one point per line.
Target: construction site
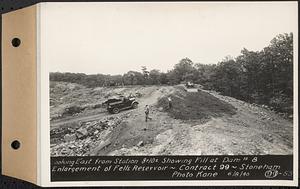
111	121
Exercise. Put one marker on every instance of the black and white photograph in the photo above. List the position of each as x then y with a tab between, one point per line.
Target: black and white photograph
153	79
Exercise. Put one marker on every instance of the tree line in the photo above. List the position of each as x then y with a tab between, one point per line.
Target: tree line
262	77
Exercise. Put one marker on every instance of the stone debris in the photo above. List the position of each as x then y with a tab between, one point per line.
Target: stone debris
68	141
70	137
98	147
141	143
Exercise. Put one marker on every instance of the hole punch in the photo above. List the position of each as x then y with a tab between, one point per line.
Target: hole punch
15	145
16	42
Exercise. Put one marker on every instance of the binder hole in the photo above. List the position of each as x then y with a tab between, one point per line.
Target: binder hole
16	42
15	145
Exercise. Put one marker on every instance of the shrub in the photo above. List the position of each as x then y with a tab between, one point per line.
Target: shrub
281	103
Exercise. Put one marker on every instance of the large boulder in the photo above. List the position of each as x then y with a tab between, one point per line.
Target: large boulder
70	137
82	132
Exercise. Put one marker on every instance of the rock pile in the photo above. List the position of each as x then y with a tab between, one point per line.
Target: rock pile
80	141
264	112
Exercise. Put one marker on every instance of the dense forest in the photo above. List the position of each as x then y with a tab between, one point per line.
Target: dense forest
261	77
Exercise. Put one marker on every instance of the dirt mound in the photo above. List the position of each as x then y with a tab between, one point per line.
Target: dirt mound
199	123
197	105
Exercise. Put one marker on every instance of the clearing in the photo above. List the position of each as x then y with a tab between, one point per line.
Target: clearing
199	123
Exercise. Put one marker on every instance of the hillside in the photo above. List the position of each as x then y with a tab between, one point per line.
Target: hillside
201	123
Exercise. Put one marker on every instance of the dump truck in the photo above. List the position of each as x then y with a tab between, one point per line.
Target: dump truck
117	104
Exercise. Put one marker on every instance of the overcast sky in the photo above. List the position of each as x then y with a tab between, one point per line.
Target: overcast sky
113	38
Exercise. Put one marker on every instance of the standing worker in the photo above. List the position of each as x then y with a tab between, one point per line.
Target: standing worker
147	111
170	102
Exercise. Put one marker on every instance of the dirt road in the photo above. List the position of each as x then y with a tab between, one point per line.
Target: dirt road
151	96
136	131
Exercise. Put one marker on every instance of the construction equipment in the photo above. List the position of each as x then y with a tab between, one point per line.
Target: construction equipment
115	105
190	85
